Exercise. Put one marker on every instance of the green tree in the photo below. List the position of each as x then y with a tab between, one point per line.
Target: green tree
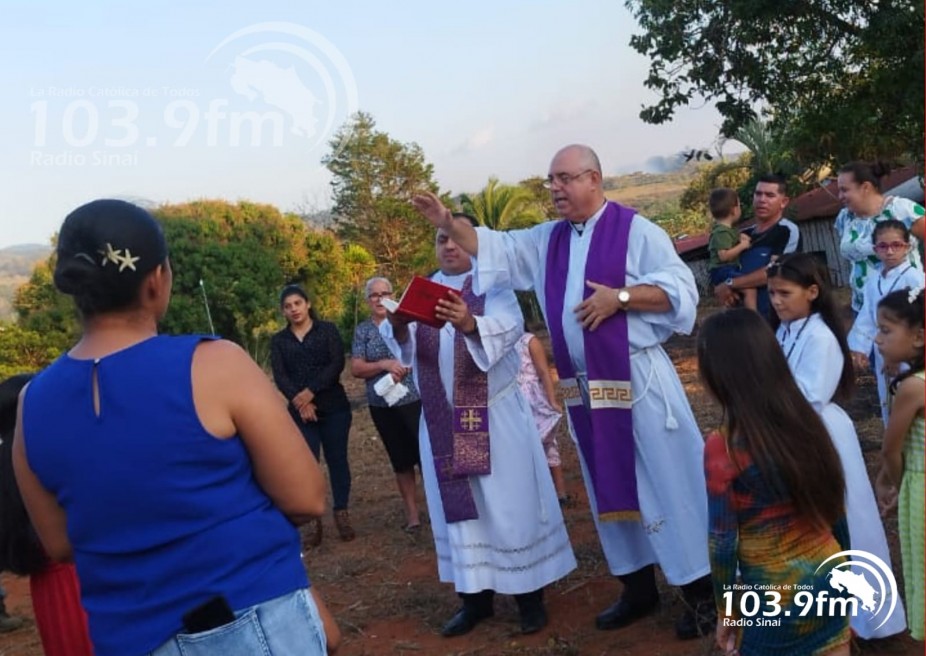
733	174
235	257
374	178
501	207
361	267
540	195
42	309
23	350
845	76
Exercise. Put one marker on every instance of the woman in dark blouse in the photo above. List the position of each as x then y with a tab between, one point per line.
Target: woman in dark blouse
307	359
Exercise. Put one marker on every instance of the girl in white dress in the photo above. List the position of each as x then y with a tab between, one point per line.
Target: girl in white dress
814	342
891	243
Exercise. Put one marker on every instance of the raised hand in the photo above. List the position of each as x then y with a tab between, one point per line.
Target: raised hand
433	210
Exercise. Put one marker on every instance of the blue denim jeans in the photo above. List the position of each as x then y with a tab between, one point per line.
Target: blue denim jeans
286	626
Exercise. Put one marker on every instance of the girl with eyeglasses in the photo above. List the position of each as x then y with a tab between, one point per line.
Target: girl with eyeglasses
811	334
891	243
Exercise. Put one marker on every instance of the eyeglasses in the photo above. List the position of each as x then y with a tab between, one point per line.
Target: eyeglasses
379	296
562	179
886	246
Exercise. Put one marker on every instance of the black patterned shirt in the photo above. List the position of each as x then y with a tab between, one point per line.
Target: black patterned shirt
313	363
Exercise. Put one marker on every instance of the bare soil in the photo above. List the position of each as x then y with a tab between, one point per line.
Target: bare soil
384	591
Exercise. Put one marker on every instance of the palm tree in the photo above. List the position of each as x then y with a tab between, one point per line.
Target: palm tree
502	207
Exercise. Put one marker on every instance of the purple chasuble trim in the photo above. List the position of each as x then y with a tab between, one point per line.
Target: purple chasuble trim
459	434
604	427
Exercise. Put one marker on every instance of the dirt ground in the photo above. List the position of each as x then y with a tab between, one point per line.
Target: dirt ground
384	591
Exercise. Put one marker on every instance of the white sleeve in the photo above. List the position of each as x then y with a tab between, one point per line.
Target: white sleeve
653	260
404	353
862	335
509	260
500	328
794	238
818	373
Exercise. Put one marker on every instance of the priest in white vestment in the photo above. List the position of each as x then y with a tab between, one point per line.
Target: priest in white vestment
664	520
501	530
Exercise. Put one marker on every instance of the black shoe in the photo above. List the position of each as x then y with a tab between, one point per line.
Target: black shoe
534	622
624	613
465	621
697	621
533	613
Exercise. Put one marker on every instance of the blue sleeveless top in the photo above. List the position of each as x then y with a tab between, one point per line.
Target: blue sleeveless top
162	516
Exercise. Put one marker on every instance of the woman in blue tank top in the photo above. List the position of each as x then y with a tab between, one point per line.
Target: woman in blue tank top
166	467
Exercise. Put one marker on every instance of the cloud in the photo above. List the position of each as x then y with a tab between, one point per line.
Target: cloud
476	141
562	113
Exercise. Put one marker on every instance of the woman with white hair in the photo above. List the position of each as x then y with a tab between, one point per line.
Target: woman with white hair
397	414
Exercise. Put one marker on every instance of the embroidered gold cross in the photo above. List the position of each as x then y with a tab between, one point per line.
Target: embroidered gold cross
470	420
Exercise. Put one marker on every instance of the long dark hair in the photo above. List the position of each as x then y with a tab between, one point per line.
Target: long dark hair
899	306
804	270
20	552
764	410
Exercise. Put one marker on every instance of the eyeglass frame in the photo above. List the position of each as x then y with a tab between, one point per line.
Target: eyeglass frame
888	246
563	178
378	296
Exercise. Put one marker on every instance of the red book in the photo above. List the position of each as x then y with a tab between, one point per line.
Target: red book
419	302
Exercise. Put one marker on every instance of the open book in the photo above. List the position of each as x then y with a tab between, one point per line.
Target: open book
419	302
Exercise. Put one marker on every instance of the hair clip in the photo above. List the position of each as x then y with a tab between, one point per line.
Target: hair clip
914	293
116	256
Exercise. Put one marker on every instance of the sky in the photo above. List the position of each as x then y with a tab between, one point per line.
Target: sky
172	102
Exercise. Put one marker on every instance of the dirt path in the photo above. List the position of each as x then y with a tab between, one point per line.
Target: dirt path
383	587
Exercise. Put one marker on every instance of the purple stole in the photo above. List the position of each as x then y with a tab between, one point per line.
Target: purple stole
459	434
604	430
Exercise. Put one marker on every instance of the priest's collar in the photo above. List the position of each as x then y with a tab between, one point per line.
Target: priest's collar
580	227
453	280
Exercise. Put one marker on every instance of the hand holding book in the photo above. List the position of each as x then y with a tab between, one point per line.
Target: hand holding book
454	309
419	303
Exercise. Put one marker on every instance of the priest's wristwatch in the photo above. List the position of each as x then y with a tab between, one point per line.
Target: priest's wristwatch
623	298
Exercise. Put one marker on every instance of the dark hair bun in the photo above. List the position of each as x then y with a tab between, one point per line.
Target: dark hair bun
105	249
880	169
75	273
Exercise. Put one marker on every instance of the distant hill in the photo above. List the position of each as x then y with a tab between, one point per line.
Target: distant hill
16	264
649	193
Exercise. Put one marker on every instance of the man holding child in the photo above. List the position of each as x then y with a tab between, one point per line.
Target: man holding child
771	237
